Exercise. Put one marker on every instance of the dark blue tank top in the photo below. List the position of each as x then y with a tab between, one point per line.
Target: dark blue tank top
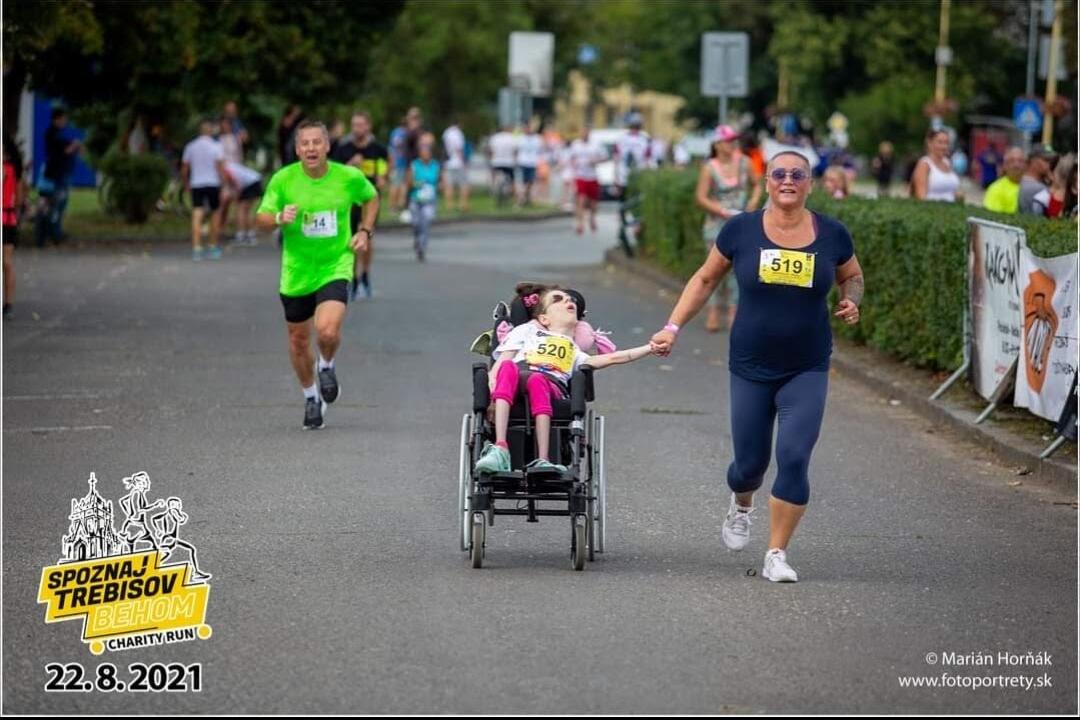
781	329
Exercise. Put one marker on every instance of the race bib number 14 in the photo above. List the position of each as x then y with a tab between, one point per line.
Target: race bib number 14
320	224
786	267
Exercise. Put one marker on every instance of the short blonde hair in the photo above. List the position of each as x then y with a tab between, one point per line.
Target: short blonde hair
837	174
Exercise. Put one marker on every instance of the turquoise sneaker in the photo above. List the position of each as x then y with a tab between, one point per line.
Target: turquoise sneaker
493	459
541	464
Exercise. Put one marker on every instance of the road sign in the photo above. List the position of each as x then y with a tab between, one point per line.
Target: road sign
531	55
725	63
1026	115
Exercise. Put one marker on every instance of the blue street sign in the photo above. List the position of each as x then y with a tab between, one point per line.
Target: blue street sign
586	54
1026	115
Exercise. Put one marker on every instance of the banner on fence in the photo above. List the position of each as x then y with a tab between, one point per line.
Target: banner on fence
1050	335
994	297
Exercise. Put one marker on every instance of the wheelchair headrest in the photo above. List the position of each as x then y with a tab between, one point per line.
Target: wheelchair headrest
519	314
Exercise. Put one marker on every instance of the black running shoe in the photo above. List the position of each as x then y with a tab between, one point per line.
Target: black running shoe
354	290
313	413
328	385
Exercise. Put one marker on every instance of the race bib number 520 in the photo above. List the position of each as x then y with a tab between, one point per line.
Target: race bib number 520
786	267
320	224
556	353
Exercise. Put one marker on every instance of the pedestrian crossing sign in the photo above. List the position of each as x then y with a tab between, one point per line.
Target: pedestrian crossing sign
1026	115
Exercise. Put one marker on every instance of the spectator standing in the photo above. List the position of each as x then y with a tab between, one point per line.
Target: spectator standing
990	162
456	177
1003	195
286	134
934	178
1051	202
14	200
61	148
1036	179
882	167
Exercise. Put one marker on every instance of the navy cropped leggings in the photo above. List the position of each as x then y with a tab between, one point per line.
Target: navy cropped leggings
799	404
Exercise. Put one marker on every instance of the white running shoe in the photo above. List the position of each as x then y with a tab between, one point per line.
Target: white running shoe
736	530
776	567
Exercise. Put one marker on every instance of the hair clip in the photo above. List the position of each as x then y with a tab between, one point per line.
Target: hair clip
531	300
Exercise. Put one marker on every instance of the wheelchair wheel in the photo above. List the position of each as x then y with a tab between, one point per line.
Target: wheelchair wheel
464	483
579	547
599	484
479	530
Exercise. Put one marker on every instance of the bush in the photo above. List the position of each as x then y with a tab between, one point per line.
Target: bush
913	254
134	184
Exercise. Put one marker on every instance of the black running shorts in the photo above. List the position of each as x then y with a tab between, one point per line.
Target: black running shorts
301	308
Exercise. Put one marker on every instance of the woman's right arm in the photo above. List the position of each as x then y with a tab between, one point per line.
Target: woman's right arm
919	179
694	295
701	193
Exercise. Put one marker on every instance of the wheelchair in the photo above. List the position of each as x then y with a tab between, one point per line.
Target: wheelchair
577	441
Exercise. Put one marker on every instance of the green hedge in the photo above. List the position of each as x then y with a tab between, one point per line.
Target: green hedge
913	255
133	184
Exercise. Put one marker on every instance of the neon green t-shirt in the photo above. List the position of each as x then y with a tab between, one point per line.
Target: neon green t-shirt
1002	196
316	244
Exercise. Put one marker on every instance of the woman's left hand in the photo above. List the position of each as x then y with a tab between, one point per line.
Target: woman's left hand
847	311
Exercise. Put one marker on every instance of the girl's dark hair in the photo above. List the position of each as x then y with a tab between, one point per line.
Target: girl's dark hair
932	132
524	289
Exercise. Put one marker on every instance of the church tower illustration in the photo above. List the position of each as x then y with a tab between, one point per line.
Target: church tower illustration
91	534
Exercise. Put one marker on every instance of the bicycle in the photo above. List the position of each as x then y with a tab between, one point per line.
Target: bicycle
629	222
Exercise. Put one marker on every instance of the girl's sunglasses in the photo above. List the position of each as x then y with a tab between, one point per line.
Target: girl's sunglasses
797	175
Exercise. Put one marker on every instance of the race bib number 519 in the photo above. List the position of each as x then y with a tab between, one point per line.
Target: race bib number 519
786	267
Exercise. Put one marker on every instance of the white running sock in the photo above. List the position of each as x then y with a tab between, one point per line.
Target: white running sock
311	392
324	363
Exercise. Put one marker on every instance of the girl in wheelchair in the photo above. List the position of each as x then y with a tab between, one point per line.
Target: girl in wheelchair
544	347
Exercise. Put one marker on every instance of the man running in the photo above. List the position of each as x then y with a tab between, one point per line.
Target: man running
201	172
310	201
361	150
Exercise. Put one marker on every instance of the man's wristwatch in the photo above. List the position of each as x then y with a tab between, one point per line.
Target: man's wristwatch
370	232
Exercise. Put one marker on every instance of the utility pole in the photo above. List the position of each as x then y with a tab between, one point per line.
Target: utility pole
1051	74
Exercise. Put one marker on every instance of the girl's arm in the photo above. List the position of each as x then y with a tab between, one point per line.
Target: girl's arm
755	190
618	357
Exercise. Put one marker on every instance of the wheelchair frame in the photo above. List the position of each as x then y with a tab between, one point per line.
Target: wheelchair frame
579	494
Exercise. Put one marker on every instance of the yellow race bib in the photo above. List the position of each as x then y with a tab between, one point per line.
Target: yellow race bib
553	352
786	267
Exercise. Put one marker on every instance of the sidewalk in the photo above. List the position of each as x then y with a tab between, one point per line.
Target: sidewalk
1014	436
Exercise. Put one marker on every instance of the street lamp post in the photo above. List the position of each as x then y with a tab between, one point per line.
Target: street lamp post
1051	74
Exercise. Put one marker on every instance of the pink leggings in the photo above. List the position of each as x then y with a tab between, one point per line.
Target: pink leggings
541	390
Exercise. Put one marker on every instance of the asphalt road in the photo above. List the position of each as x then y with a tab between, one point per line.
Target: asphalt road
338	585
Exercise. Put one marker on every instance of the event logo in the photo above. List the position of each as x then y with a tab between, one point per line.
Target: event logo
1040	326
127	596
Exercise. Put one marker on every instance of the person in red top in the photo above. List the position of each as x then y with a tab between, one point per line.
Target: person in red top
14	196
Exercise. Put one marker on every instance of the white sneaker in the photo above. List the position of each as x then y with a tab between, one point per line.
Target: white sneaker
776	567
736	530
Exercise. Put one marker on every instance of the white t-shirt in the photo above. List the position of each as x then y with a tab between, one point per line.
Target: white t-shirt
633	151
242	174
584	157
202	155
503	147
453	141
230	145
529	149
544	351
